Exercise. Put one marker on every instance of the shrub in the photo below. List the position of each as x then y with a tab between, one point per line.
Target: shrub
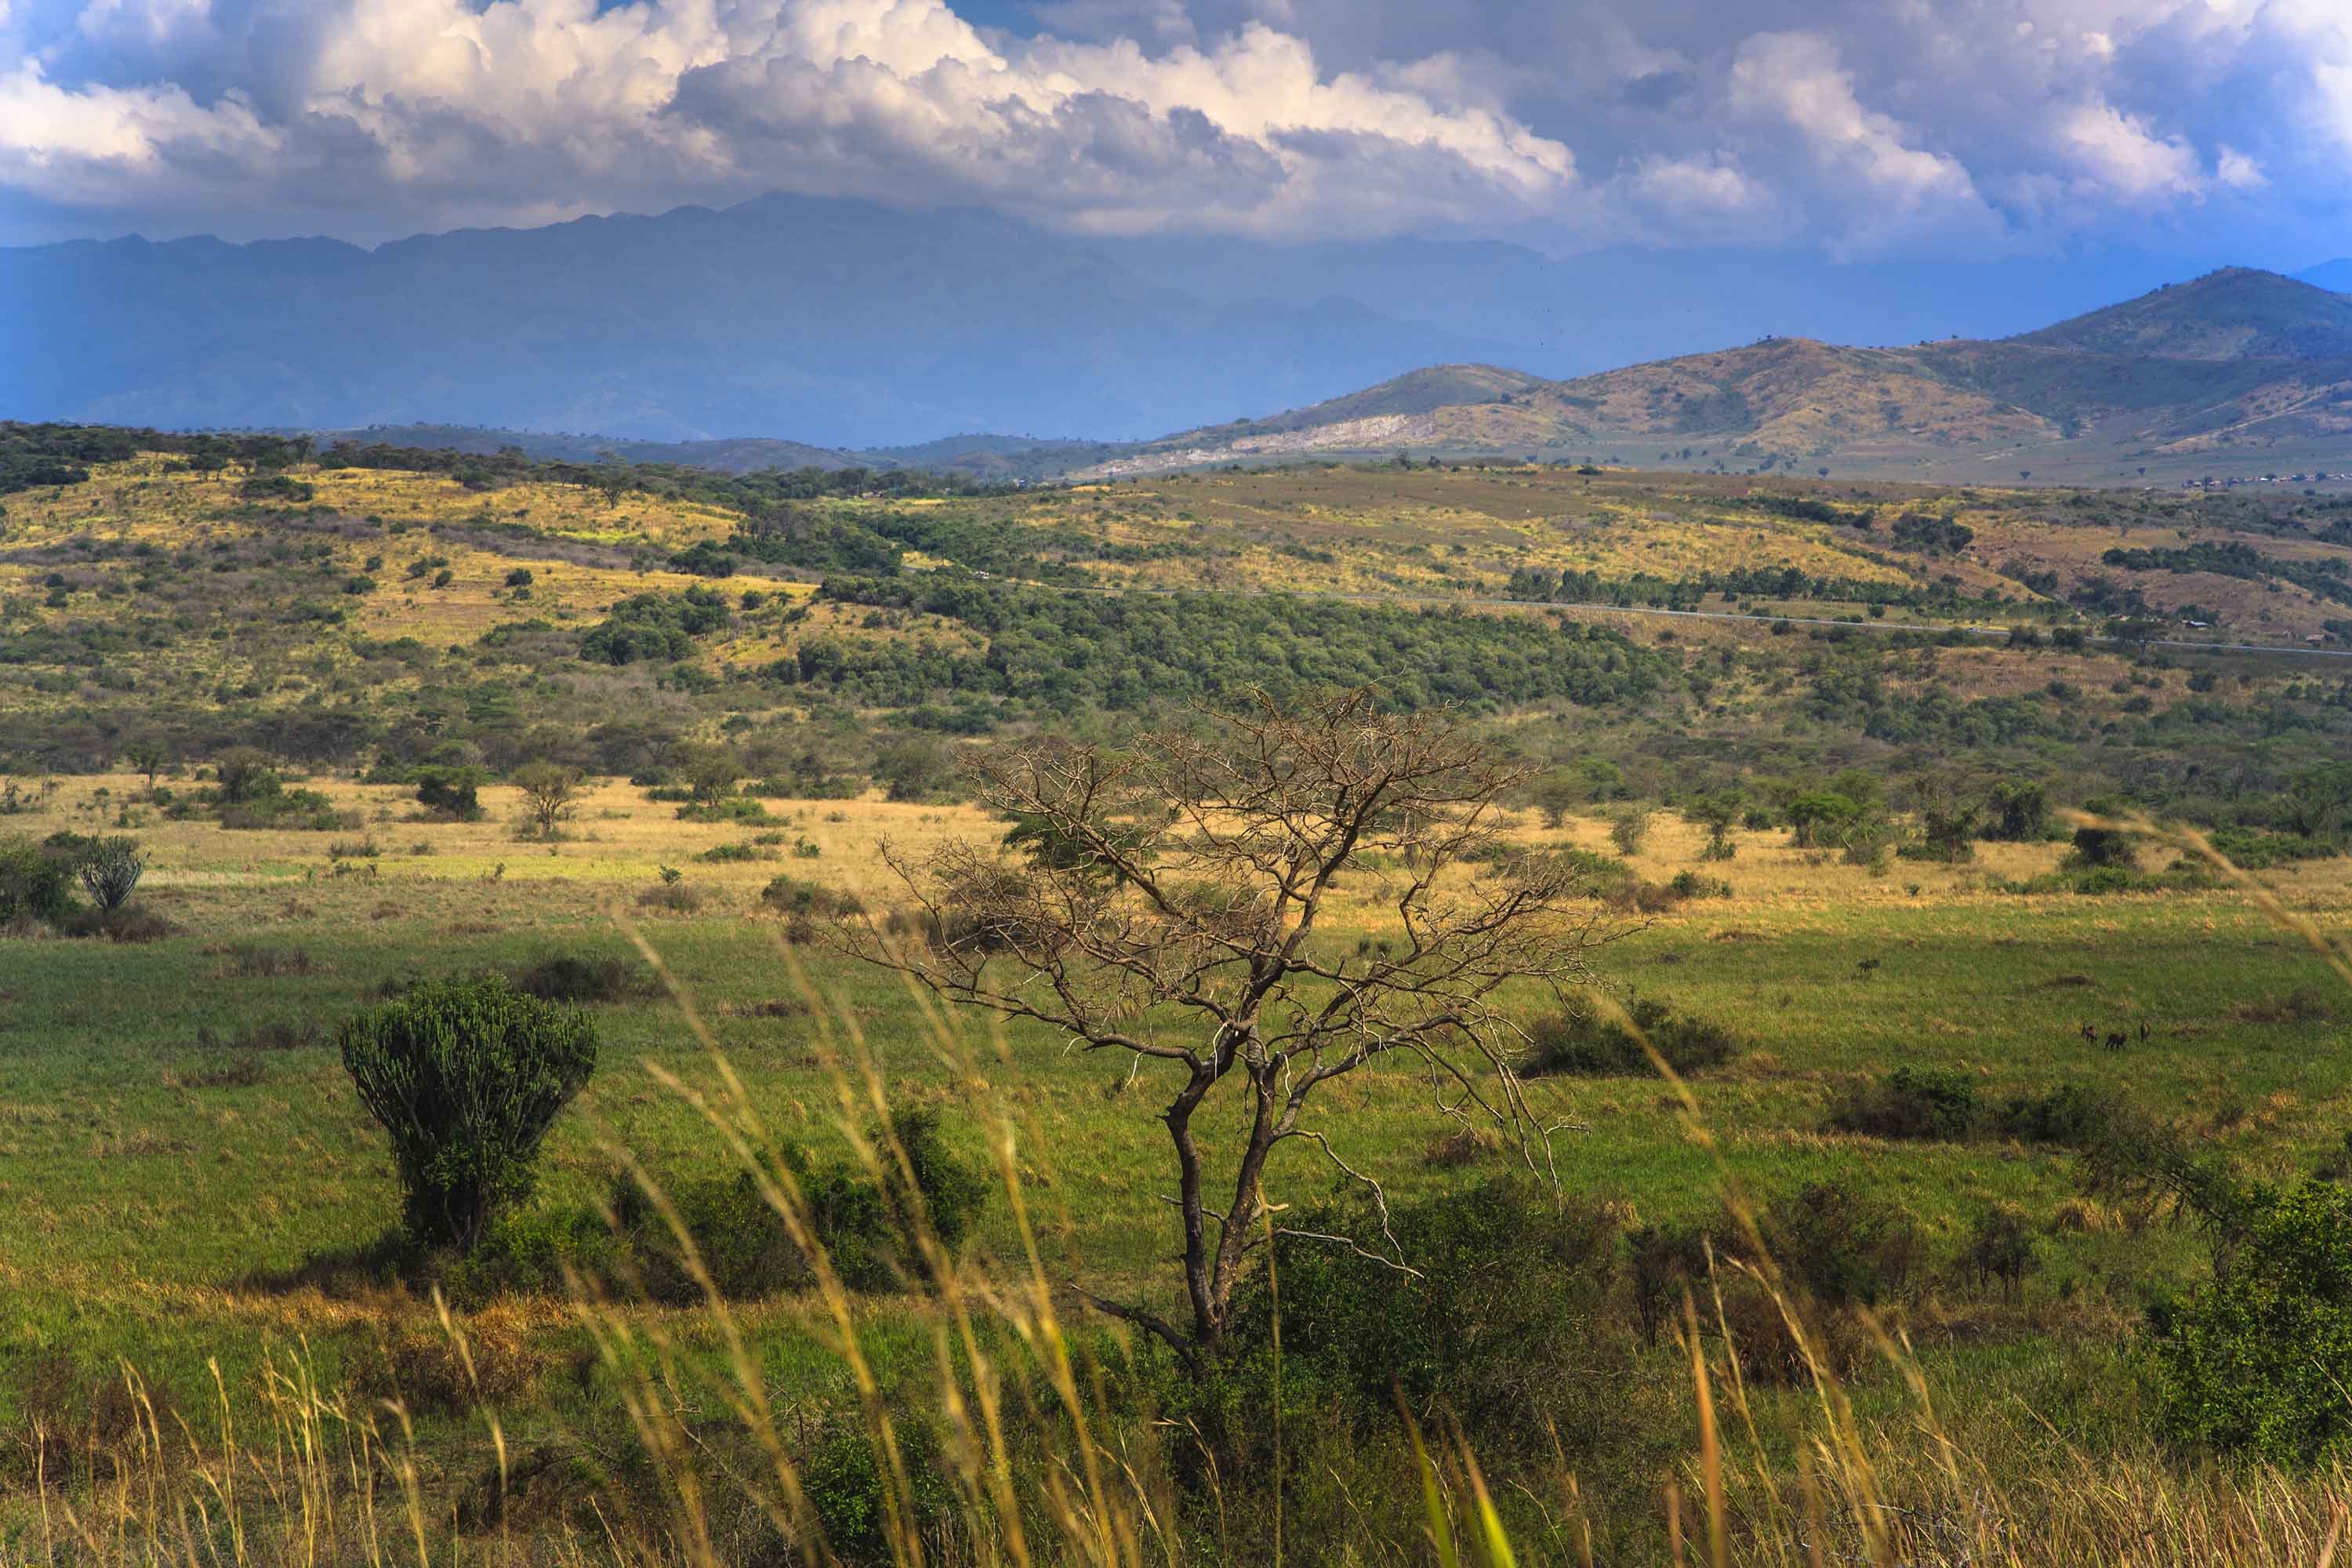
1629	830
2000	1247
797	896
467	1077
742	1241
260	961
2304	1005
1468	1146
1511	1283
2250	1363
566	977
1664	1260
119	925
244	774
1691	885
36	881
676	897
1842	1248
2100	848
866	1227
725	853
296	810
1589	1044
734	808
2070	1115
1910	1103
450	791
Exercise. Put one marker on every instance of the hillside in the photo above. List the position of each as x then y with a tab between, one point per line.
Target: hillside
980	458
2235	314
2238	374
209	590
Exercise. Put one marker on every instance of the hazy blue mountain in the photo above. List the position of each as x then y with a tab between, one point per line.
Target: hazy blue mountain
835	323
2336	275
1604	309
846	324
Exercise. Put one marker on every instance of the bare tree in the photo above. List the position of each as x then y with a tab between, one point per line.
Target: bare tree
1170	901
549	791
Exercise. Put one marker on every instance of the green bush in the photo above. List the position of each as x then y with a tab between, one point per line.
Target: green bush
729	854
1510	1286
448	791
798	897
1842	1248
2000	1248
866	1227
567	977
734	808
2069	1115
467	1077
36	881
1910	1103
1587	1044
2256	1362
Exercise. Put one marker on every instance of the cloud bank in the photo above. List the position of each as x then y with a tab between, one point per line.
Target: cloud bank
1859	127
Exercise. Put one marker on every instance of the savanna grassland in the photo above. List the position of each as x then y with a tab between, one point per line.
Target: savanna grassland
1838	846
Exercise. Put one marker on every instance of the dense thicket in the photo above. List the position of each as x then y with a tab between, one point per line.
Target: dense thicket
1068	651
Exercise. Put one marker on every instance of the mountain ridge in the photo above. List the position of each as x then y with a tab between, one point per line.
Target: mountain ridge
2252	363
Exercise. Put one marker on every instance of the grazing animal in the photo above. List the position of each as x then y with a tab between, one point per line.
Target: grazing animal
2090	1035
2116	1041
2143	1032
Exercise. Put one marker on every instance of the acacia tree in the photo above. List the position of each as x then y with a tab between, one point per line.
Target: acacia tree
149	755
548	793
1169	903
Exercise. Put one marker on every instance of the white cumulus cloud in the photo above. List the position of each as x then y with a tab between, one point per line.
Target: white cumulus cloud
1860	126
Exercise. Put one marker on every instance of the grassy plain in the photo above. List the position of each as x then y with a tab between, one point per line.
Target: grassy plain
179	1148
169	1160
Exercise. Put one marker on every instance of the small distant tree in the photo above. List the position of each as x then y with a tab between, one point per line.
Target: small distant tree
451	792
467	1077
149	755
2020	811
2317	800
244	774
1630	829
712	773
1816	814
35	883
1719	813
549	791
1949	810
912	770
2095	848
1179	919
1555	797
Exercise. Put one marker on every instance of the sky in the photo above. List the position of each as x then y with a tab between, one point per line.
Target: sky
1852	129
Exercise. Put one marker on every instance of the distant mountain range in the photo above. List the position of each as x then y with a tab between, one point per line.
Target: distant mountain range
2238	372
849	325
790	330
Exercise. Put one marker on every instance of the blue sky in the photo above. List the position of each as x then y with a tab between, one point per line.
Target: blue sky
1848	129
